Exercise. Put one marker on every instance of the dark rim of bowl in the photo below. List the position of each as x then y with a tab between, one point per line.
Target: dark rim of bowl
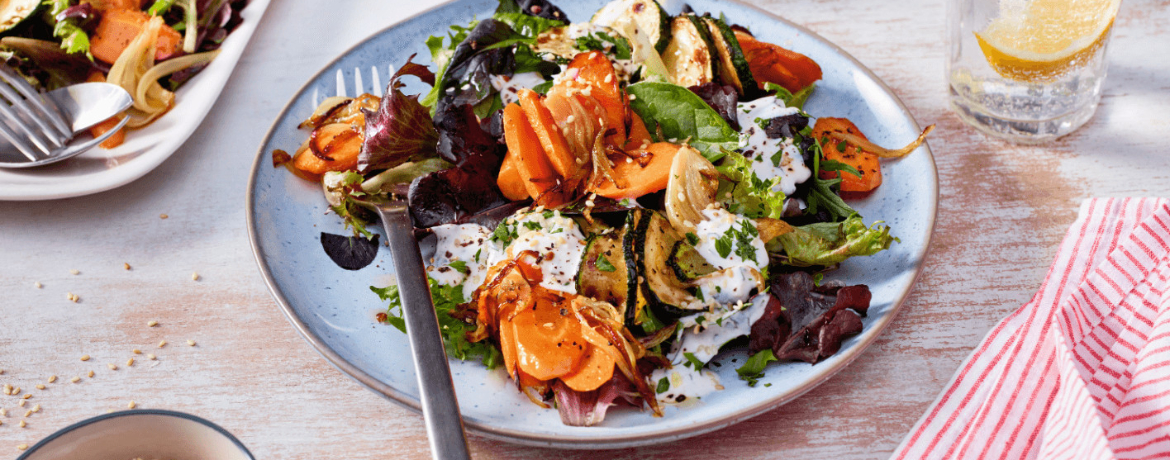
613	441
129	413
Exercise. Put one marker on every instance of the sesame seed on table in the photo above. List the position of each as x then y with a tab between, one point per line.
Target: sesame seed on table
70	292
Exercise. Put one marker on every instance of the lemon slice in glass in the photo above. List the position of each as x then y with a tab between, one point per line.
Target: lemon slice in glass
1041	40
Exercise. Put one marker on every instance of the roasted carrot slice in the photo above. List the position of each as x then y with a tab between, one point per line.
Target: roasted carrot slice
508	344
595	369
509	180
775	64
118	27
866	162
115	139
642	178
549	343
591	75
551	139
333	147
533	166
639	135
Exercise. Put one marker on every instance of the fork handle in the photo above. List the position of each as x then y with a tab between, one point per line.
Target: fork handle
439	404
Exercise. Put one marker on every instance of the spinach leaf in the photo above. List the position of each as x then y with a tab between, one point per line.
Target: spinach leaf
681	115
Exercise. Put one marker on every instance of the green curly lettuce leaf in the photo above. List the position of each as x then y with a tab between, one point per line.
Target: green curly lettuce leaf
830	243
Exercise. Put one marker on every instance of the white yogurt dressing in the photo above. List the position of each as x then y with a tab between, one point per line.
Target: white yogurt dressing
686	385
459	243
756	146
730	286
715	225
509	87
556	238
716	329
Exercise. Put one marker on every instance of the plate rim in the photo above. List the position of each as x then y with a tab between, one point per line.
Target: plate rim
572	442
134	170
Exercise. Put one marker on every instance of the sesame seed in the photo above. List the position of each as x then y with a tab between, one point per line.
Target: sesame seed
36	408
194	276
22	447
126	266
52	378
132	405
89	374
151	356
40	386
7	389
1	422
3	412
22	424
162	344
129	362
75	272
152	323
20	403
75	379
163	216
27	396
137	351
28	412
632	97
190	343
1	371
85	357
112	366
15	391
37	284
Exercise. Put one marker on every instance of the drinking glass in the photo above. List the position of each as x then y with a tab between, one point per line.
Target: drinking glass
1027	70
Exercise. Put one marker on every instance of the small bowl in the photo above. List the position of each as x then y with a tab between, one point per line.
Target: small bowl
147	434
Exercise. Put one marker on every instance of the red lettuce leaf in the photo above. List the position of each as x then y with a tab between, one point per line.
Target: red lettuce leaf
468	188
722	98
401	129
587	408
805	322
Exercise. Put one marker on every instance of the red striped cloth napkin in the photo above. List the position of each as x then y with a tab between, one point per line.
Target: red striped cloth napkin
1082	371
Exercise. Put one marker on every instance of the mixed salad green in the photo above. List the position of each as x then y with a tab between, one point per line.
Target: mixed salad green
607	205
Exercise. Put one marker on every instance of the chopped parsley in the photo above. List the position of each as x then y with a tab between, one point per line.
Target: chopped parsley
663	385
532	225
692	361
604	265
618	46
724	243
693	238
461	266
505	233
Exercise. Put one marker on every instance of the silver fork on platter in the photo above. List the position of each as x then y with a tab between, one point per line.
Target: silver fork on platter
440	407
40	126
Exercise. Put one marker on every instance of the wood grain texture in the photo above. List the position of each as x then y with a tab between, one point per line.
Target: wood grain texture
1004	209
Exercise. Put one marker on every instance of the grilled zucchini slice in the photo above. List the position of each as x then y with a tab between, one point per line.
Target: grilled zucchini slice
14	12
687	263
733	66
647	15
664	291
604	274
688	56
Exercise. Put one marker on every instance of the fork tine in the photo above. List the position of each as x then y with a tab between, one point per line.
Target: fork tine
12	118
60	128
17	141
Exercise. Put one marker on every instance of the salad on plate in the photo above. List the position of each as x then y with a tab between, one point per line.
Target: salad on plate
148	47
606	205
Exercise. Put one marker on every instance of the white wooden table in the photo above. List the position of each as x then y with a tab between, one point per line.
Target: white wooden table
1003	210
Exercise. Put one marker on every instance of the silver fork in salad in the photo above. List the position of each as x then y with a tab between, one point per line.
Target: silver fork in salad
440	407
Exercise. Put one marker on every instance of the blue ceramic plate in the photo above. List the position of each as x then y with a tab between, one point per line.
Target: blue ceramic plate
334	309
